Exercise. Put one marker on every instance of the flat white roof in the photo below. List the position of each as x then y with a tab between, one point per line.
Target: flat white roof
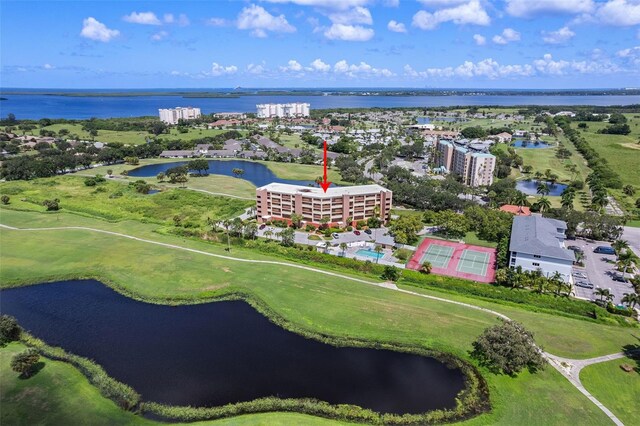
334	191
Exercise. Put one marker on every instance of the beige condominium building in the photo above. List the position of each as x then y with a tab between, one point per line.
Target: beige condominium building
278	201
172	116
475	168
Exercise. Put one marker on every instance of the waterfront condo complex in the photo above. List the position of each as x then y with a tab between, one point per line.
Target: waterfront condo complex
475	168
173	115
278	201
282	110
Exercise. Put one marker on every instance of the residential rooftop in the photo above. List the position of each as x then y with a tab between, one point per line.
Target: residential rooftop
334	191
540	236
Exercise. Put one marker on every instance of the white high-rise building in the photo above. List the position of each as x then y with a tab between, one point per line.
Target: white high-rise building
171	116
282	110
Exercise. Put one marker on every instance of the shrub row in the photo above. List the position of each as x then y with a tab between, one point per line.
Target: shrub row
124	396
598	164
522	298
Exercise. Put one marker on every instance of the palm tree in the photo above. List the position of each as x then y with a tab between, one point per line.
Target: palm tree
378	249
619	245
426	267
599	200
543	204
604	294
626	260
538	175
227	224
343	247
520	199
631	299
268	233
568	195
543	188
327	244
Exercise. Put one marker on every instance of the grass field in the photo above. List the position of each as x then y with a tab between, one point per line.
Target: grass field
310	300
132	137
115	201
615	388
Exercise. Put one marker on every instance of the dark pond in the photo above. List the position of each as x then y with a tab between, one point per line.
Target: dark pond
530	187
153	191
256	173
223	352
530	144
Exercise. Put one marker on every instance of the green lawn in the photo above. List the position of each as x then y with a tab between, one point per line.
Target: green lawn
309	300
115	201
615	388
133	137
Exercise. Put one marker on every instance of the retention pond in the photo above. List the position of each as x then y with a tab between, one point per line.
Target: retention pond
222	352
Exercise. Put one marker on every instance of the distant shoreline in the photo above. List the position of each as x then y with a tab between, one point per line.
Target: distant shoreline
329	92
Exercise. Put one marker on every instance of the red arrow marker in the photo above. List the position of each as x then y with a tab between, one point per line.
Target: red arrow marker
324	184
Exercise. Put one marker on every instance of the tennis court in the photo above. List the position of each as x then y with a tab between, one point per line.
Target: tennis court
473	262
438	255
455	259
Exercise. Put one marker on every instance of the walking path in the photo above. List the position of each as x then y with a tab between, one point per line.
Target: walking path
569	368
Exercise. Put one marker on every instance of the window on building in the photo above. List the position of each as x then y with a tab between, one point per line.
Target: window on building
536	264
537	256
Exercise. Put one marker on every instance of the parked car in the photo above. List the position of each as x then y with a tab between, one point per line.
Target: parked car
262	227
604	250
581	275
356	232
576	249
367	231
335	235
617	276
584	284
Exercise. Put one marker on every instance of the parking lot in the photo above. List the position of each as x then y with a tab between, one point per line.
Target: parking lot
599	269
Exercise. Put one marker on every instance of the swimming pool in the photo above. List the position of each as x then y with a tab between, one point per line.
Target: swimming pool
370	253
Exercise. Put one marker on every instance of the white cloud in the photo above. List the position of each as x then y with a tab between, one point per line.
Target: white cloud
218	70
360	70
96	30
466	13
160	35
183	20
48	67
292	65
560	36
144	18
327	4
396	27
320	66
508	35
630	55
480	40
256	69
216	22
491	69
348	32
529	8
619	12
357	15
257	19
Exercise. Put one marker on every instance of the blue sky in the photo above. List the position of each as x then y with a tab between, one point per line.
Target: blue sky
328	43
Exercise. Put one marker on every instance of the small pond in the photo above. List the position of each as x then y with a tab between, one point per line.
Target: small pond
222	352
256	173
530	144
530	187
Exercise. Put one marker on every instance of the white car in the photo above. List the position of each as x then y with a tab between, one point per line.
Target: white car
335	235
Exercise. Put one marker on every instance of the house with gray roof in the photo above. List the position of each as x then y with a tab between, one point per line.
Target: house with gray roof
537	243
